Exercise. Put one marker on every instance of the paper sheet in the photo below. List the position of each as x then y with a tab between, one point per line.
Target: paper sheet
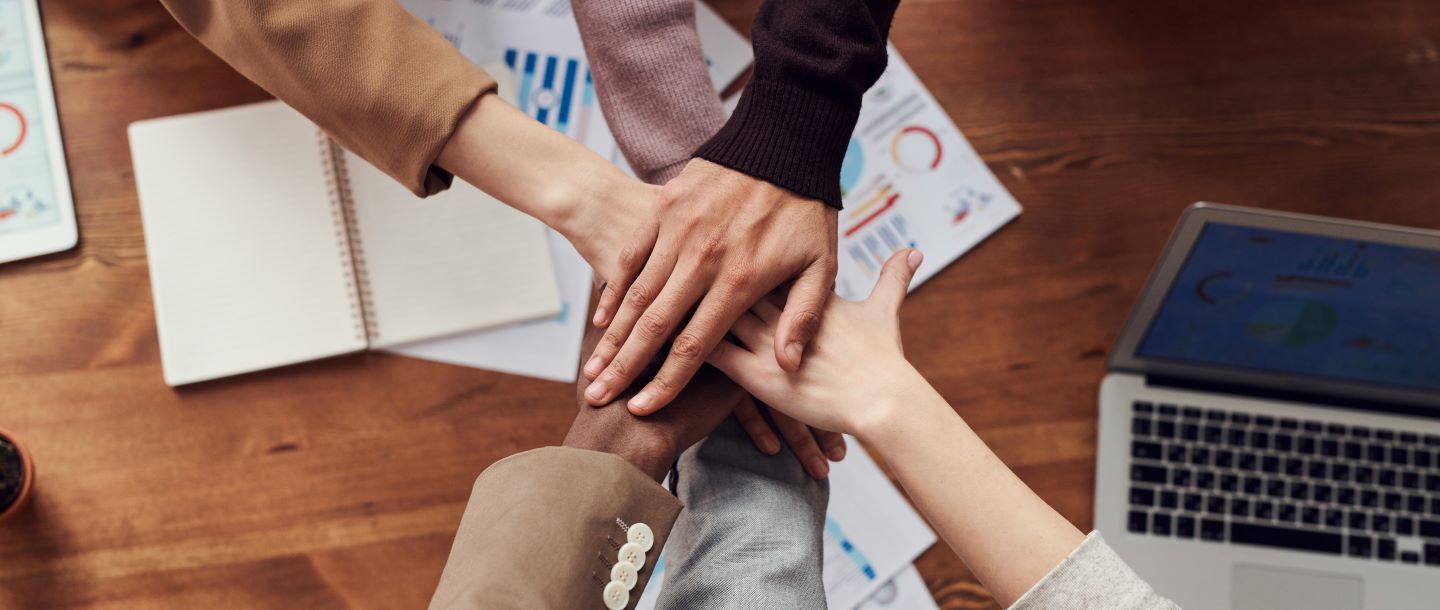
907	591
539	41
871	535
910	179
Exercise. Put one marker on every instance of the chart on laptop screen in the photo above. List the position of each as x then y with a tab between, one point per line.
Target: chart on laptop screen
1306	304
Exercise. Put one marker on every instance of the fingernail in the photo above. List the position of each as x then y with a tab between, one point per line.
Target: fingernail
914	259
837	453
599	316
642	401
770	445
593	367
596	391
817	467
793	350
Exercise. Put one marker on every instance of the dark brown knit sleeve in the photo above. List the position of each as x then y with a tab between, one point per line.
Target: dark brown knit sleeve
814	60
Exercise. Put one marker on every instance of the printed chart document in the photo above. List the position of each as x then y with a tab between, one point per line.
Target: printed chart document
907	591
540	44
871	535
911	179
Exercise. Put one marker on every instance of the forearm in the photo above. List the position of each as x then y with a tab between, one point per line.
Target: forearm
814	60
650	76
1004	532
394	102
534	168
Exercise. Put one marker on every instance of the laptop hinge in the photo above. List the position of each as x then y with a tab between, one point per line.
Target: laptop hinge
1324	400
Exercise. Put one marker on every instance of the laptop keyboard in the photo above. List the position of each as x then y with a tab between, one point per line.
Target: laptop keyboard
1301	485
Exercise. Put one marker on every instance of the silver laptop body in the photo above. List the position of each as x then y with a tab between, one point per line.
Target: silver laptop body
1269	431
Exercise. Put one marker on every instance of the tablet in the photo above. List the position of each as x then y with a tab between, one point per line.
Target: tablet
37	215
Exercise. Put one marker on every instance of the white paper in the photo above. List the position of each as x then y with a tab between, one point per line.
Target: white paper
907	591
548	349
511	32
871	535
911	179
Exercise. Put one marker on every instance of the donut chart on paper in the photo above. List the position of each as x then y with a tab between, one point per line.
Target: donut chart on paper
916	149
8	110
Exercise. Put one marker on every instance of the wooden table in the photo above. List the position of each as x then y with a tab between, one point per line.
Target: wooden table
340	483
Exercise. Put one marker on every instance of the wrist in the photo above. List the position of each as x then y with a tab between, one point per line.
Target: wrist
651	454
905	400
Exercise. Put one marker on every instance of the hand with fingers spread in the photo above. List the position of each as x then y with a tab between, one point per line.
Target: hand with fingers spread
725	240
828	392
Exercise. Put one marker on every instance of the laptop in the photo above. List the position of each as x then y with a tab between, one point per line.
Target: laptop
1269	429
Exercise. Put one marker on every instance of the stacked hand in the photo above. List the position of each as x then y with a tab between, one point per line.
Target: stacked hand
723	241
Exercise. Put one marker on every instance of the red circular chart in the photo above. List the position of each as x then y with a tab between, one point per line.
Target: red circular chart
911	158
9	147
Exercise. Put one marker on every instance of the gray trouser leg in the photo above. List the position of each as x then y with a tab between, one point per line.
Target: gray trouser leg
750	534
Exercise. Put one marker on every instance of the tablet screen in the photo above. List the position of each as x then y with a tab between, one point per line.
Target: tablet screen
27	193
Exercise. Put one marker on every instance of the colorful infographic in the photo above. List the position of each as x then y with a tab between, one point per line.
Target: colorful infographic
911	180
27	196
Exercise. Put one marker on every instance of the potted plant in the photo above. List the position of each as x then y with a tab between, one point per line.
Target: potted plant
17	475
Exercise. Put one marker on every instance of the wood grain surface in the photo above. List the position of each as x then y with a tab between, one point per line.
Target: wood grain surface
338	484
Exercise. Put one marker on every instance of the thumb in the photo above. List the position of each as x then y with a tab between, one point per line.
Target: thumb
894	282
800	319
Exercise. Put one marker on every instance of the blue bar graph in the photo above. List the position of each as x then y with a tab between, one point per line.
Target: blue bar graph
548	90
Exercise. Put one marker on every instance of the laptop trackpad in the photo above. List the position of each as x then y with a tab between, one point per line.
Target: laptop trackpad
1258	588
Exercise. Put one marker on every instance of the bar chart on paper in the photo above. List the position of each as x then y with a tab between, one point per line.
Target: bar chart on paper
560	92
910	180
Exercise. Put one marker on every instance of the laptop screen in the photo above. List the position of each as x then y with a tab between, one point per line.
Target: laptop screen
1275	301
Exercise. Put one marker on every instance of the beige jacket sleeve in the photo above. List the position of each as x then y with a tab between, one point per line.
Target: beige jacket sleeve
376	79
543	529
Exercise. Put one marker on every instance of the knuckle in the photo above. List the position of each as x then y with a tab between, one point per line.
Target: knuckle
687	348
712	250
632	257
807	322
619	370
651	325
738	278
638	295
612	340
662	384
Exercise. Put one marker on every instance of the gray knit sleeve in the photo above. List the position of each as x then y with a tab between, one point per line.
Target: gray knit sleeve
1093	576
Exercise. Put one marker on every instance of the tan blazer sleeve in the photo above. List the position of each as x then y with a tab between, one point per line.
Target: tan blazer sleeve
542	530
376	79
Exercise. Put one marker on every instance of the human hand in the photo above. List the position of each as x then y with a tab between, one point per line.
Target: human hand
830	391
653	443
724	241
810	446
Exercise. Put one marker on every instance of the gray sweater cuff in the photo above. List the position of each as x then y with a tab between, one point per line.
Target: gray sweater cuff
1093	576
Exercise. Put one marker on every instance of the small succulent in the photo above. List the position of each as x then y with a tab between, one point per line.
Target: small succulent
12	471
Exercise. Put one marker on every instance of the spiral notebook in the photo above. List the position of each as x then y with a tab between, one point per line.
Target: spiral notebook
270	245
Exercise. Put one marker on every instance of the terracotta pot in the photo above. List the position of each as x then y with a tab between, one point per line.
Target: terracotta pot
26	470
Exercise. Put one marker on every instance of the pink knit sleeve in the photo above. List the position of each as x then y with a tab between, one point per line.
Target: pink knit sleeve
650	75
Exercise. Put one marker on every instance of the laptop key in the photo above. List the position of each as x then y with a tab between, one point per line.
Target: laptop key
1432	554
1310	515
1189	431
1160	526
1404	526
1235	437
1240	507
1229	482
1193	502
1329	448
1374	453
1251	486
1215	415
1142	496
1286	538
1213	434
1317	469
1200	456
1215	505
1214	530
1180	477
1393	501
1409	557
1148	474
1399	456
1264	509
1369	498
1415	503
1245	461
1138	522
1224	458
1432	482
1305	445
1190	412
1429	529
1184	527
1270	464
1410	479
1275	488
1364	475
1286	513
1385	435
1289	423
1385	549
1357	520
1142	406
1421	458
1386	477
1299	490
1165	428
1380	523
1204	480
1260	439
1344	495
1169	409
1175	452
1144	450
1334	517
1169	499
1284	442
1339	472
1358	545
1322	492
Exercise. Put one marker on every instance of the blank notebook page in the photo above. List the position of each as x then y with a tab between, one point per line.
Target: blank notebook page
246	264
456	261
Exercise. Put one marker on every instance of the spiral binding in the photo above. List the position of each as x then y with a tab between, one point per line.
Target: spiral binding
347	237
